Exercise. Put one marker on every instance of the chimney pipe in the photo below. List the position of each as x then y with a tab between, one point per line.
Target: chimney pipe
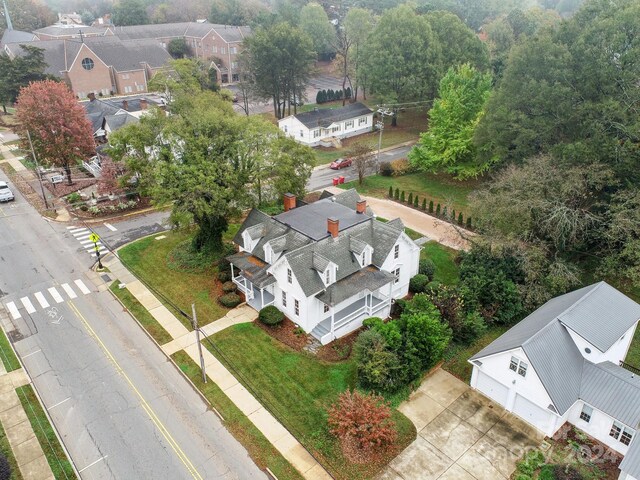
333	226
361	206
91	96
289	201
125	105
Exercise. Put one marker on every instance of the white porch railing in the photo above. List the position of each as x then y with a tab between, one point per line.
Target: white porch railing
244	286
368	310
93	167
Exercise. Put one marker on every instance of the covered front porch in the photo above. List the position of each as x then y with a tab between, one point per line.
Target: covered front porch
252	280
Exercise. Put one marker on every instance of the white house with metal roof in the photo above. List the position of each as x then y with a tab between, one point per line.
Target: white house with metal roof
565	363
320	126
327	265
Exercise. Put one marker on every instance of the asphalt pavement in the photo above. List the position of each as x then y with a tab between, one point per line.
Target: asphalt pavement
122	410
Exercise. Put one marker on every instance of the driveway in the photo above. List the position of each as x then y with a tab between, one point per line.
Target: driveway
462	435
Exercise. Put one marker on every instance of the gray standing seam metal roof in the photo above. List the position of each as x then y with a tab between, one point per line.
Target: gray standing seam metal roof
365	279
594	319
324	117
631	462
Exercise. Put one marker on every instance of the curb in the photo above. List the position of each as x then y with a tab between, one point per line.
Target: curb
106	219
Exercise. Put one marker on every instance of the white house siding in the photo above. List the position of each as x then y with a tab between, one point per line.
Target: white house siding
615	354
529	387
294	292
407	261
295	129
626	476
598	427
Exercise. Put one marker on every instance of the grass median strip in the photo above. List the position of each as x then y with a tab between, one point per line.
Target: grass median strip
57	458
260	449
143	316
9	359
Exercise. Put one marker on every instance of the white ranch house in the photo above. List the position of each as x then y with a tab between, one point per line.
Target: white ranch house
326	126
327	265
564	363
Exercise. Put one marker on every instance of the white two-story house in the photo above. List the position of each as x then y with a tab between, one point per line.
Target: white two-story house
319	126
327	265
564	363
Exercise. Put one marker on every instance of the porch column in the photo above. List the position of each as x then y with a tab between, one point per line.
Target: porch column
333	321
232	274
262	298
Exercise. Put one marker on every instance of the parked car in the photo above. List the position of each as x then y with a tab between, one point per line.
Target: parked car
6	195
340	163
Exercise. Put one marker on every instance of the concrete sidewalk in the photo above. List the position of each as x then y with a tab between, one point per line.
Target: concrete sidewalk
17	427
431	227
183	339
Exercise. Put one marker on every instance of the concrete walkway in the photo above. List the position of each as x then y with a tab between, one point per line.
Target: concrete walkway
462	435
17	427
431	227
185	340
10	158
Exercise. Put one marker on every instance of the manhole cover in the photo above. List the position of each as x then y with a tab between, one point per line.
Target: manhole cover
106	278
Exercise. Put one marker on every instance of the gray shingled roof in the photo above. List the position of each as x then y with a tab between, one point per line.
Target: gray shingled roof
365	279
602	316
16	36
56	56
128	55
311	220
324	117
59	31
229	33
116	122
631	462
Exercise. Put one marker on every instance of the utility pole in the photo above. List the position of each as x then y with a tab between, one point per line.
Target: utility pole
38	172
380	125
194	321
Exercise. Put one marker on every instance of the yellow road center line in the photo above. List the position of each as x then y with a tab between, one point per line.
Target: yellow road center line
147	408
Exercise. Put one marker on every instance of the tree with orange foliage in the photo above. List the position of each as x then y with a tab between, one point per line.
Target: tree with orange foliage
362	422
60	131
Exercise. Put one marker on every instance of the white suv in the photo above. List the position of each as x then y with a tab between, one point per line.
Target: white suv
6	195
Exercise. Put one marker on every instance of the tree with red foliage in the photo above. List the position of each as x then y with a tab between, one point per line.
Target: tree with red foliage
60	131
108	182
362	421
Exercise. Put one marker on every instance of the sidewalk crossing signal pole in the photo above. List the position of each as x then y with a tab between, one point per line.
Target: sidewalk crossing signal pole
194	321
95	239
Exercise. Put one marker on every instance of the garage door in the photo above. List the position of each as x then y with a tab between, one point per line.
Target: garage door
492	388
532	413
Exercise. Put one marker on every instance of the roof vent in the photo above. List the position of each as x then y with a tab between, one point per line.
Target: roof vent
587	349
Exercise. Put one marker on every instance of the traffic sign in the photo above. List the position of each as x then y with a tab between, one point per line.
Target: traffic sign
94	238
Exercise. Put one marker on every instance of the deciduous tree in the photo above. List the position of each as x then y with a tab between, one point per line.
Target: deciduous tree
448	144
362	157
60	131
130	12
178	48
19	71
315	23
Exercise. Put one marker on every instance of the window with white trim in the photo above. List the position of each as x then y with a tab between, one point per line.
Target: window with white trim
396	252
301	133
286	129
396	272
125	76
363	258
336	128
233	50
316	133
621	433
223	50
362	121
518	366
586	413
128	89
348	124
289	276
234	64
284	299
327	277
140	88
214	49
296	307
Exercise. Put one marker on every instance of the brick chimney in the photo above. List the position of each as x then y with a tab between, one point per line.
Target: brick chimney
143	104
289	201
333	226
125	105
361	206
91	96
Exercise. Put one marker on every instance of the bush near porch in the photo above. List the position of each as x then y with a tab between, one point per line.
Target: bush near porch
298	389
182	283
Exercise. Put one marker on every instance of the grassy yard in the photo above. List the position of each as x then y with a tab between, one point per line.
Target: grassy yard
5	450
447	270
148	259
456	356
297	389
441	188
9	359
136	309
260	449
58	461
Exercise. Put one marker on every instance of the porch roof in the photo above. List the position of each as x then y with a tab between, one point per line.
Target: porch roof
368	278
253	269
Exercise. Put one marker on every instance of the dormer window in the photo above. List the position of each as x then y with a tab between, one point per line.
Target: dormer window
327	277
289	276
363	259
396	252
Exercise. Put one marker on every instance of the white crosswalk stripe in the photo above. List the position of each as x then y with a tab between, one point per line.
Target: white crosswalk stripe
69	290
13	310
56	296
83	288
28	305
82	234
41	300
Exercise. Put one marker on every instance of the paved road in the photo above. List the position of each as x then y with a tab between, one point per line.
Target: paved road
323	177
123	411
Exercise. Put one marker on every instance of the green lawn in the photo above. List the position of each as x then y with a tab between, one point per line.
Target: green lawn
297	389
147	258
457	356
9	359
447	270
58	461
143	316
5	449
260	449
441	188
